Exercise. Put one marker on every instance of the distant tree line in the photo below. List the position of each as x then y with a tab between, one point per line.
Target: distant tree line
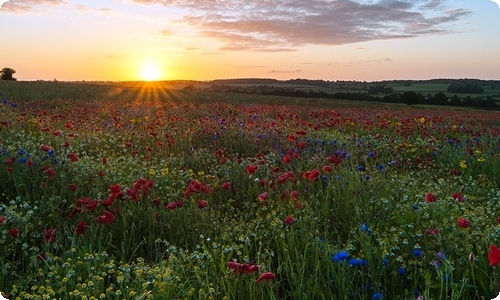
410	97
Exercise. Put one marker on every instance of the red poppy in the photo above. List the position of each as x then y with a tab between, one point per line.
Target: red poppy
263	197
171	206
73	187
91	205
242	268
498	220
430	197
73	157
313	175
45	148
80	228
202	203
156	202
289	220
251	169
327	169
106	217
267	276
49	235
463	223
458	197
104	160
294	194
455	172
2	219
50	172
226	186
29	162
494	256
432	231
114	188
14	233
287	159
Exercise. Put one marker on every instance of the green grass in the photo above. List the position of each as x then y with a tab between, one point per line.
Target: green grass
168	150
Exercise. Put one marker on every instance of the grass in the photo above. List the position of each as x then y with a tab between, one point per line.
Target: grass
131	191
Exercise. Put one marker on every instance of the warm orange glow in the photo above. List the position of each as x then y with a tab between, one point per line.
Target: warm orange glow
150	72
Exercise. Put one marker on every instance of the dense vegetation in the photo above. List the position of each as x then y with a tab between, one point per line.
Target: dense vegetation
135	191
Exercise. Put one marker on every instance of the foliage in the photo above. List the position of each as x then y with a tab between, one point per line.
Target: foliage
173	194
7	74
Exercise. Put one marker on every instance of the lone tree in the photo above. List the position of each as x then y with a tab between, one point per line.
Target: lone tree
7	74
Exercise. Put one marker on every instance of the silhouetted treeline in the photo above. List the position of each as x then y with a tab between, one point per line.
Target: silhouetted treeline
410	97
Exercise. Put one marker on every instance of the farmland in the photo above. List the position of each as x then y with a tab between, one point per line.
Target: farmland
158	191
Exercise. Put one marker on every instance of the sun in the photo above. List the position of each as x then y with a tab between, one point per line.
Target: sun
150	72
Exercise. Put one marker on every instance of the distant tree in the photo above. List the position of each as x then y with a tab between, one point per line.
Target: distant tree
465	88
411	98
7	74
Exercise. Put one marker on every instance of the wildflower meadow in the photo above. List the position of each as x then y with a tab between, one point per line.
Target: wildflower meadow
193	195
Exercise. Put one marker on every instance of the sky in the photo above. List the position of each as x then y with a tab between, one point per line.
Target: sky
362	40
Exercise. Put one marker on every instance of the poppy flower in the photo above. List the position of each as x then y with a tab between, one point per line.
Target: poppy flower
327	168
287	159
458	197
2	219
106	217
263	197
432	231
171	206
202	203
494	256
430	197
73	187
313	175
80	228
226	185
463	223
73	157
14	233
251	169
49	235
242	268
114	188
289	220
45	148
267	276
294	194
29	162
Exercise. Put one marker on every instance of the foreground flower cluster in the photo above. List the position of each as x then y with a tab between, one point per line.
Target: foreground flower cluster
122	200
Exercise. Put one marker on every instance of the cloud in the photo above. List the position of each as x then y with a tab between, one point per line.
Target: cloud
260	25
284	72
22	6
497	2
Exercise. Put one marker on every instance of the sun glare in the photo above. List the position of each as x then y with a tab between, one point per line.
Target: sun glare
150	73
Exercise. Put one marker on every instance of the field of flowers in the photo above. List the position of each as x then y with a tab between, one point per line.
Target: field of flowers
122	199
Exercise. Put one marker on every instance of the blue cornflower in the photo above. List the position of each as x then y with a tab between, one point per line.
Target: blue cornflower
4	101
417	252
381	167
364	227
377	296
21	152
401	271
357	262
360	168
385	262
340	256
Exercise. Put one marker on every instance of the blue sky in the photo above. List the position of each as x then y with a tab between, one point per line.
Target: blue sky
210	39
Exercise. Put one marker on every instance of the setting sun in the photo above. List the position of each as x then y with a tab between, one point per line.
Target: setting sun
150	73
